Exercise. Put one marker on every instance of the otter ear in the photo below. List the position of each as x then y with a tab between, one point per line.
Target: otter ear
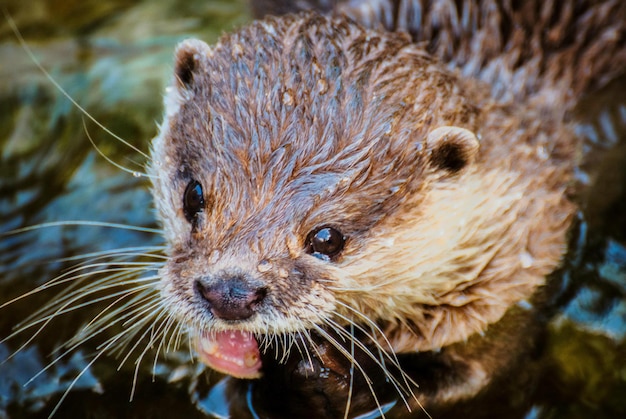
190	55
451	148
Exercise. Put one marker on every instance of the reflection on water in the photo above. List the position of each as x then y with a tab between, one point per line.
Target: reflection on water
114	59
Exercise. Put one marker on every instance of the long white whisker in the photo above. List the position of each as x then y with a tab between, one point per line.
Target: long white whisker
392	379
104	156
170	320
74	382
67	277
156	320
81	223
144	251
75	342
304	346
153	318
390	354
97	318
345	353
45	320
129	316
172	342
351	388
64	300
70	346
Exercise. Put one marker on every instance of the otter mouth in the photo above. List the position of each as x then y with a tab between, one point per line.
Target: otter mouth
232	352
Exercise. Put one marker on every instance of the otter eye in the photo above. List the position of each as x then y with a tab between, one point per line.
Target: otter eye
193	200
325	243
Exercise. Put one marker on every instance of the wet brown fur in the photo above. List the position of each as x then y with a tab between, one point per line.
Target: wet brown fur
303	121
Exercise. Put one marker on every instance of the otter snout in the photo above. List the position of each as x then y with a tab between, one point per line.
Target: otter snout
231	297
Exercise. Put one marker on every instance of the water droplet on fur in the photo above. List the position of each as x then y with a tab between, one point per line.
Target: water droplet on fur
287	98
388	242
542	153
526	260
264	266
136	174
322	86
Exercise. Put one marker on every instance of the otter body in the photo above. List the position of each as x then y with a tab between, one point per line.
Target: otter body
350	199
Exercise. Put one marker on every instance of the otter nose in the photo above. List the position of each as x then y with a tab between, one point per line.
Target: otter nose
231	298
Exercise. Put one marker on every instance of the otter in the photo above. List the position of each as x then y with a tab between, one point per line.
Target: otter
376	192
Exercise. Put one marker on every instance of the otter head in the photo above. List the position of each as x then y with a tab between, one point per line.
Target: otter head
298	161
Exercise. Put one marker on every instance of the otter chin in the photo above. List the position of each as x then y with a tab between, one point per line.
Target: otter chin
348	196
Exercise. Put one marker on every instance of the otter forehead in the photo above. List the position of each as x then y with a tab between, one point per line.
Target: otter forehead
290	113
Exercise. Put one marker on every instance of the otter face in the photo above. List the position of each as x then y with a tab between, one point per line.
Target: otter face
297	157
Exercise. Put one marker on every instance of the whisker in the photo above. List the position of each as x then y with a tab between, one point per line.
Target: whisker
392	379
129	316
67	277
287	342
397	385
114	341
135	173
304	346
156	320
32	321
170	321
72	344
345	353
189	342
174	340
81	223
108	321
74	295
390	354
96	319
63	308
351	388
65	394
144	251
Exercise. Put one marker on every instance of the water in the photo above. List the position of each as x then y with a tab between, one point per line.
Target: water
114	59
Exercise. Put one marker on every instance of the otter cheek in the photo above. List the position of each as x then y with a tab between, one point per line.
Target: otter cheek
231	352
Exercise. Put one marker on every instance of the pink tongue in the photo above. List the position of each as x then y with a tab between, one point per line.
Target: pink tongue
231	352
